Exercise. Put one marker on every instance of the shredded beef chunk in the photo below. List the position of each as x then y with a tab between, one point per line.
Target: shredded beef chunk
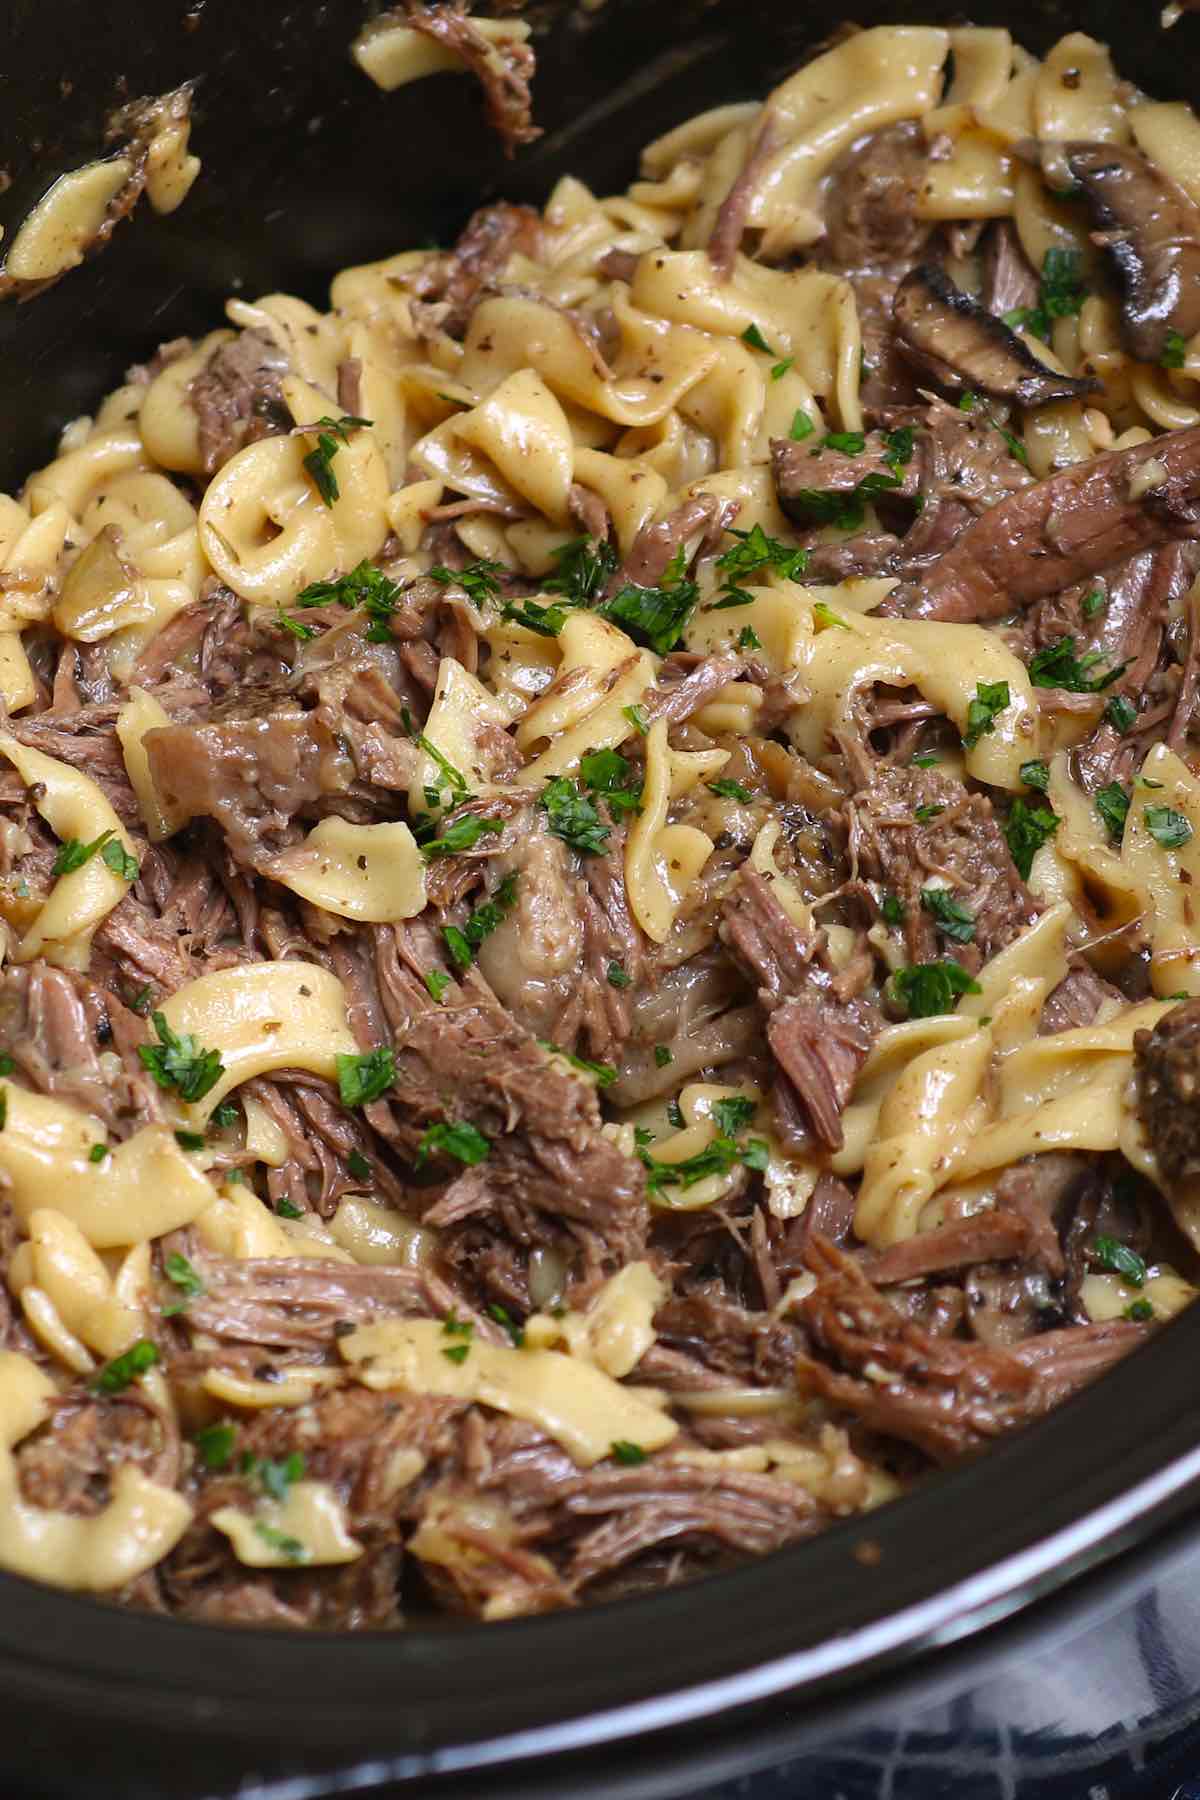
237	397
504	70
1066	528
916	830
871	210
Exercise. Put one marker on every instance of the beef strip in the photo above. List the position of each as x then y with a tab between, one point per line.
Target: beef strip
237	397
63	1031
818	1039
801	471
1010	282
1064	529
450	285
727	232
962	848
945	1397
656	545
983	1237
504	69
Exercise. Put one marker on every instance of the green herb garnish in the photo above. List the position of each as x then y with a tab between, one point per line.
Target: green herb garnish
177	1061
331	435
991	699
926	989
730	790
462	1141
362	1079
954	919
1028	828
571	816
1120	1260
1166	826
125	1369
1112	803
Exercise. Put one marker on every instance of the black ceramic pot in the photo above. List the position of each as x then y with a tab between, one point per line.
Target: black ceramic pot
307	168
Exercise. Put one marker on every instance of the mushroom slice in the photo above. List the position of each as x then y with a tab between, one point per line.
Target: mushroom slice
1150	230
964	346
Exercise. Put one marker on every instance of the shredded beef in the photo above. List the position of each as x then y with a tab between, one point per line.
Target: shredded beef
504	70
1167	1061
961	848
237	397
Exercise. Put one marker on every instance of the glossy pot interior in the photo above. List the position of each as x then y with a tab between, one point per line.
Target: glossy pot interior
307	168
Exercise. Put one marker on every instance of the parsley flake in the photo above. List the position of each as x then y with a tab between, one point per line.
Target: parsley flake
655	616
627	1454
754	337
125	1369
1166	826
925	989
462	1141
1174	353
730	790
177	1061
366	588
571	816
437	981
72	854
1036	775
362	1079
287	1546
892	909
479	580
1028	828
461	836
179	1271
214	1446
1120	1260
801	427
617	977
954	919
331	434
991	699
1112	803
463	944
1057	666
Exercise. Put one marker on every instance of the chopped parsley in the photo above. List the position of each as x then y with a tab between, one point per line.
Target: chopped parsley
125	1369
748	639
801	427
331	435
717	1158
364	1078
358	1166
456	1353
583	571
463	835
274	1479
366	587
114	856
675	1115
453	1326
892	909
926	989
547	621
655	616
1112	803
1121	713
732	1113
637	718
926	760
571	816
846	443
462	1141
190	1140
663	1057
730	790
608	773
991	698
177	1061
780	369
479	580
1057	666
617	977
214	1446
437	981
602	1073
955	920
754	337
753	552
297	627
825	616
1094	602
930	810
288	1546
503	1317
283	1206
1166	826
1120	1260
1061	294
463	944
72	854
1028	828
1138	1311
629	1455
1174	353
1036	775
97	1153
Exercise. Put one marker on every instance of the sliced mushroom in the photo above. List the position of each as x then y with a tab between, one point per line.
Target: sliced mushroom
964	346
1150	230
